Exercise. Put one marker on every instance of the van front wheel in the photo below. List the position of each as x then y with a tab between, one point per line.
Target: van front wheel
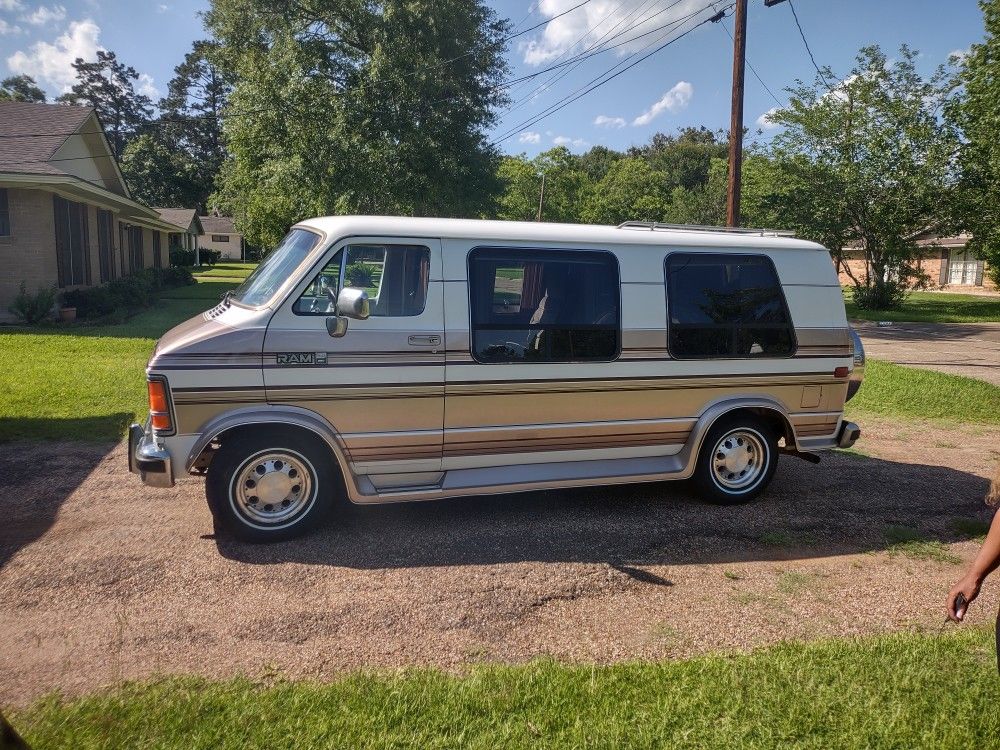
737	460
264	488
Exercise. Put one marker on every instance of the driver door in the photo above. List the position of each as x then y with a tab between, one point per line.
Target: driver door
381	385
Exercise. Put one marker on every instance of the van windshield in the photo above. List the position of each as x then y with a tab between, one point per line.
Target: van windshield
278	266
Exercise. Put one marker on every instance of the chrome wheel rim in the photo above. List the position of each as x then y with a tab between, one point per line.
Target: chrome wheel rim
272	488
739	459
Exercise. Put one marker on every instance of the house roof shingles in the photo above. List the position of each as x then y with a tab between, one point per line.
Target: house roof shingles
218	225
181	217
31	133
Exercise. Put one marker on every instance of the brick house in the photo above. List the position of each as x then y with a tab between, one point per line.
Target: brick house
947	261
220	234
66	216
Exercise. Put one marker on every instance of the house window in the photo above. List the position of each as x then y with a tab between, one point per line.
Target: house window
220	238
72	245
726	306
4	214
105	245
395	277
544	305
157	252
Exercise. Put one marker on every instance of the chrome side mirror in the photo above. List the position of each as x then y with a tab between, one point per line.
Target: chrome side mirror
353	303
336	326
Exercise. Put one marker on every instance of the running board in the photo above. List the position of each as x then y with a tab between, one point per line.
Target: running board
524	478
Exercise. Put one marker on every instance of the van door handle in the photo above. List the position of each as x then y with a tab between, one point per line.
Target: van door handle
424	340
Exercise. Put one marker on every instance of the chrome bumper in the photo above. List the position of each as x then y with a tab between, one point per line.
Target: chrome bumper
151	463
848	435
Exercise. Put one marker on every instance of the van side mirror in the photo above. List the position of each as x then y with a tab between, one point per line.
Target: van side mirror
353	303
350	303
336	326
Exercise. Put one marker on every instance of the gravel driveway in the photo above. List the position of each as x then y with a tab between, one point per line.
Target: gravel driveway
970	349
102	579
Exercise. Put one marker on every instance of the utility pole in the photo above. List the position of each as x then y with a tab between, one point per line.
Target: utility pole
541	197
734	190
736	118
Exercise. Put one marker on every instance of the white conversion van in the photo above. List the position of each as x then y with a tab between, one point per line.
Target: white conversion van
387	359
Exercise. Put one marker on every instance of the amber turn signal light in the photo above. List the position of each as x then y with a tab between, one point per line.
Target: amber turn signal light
159	407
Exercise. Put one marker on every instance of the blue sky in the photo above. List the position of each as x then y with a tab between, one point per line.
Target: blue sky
687	83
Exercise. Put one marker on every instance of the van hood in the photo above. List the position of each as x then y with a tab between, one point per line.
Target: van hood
224	333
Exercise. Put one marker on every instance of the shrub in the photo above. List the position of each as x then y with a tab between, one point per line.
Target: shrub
128	293
182	257
33	308
360	275
188	257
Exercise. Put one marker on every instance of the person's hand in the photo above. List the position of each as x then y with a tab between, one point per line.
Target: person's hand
967	587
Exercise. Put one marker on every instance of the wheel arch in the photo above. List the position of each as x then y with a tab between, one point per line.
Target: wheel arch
289	418
770	410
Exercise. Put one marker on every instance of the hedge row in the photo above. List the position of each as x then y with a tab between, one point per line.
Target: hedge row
125	294
188	257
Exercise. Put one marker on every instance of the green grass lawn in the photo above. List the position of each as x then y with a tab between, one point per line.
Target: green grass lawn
87	382
908	392
933	307
901	691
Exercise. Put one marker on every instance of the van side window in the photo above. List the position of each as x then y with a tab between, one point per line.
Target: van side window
395	277
726	306
544	305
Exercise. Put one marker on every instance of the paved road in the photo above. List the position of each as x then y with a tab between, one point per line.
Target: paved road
102	579
970	349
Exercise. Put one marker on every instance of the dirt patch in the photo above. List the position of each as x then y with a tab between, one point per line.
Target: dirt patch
118	581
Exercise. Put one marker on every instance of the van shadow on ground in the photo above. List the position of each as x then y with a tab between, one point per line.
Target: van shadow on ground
35	483
846	505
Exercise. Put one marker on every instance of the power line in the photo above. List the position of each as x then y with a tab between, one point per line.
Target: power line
600	47
555	108
806	43
753	69
593	83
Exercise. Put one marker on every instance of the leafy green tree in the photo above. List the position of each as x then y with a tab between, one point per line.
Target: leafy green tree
348	106
597	161
977	113
878	138
631	190
521	185
191	119
159	175
21	88
684	158
567	187
702	203
108	86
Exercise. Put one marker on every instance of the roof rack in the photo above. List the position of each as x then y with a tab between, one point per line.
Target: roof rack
655	226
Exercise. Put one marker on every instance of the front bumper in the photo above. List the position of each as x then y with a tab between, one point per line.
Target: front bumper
848	435
150	462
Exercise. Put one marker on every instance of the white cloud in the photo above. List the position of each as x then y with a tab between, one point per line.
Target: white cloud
604	121
10	5
764	122
529	136
146	86
565	140
161	8
673	101
961	54
7	29
53	62
43	15
604	22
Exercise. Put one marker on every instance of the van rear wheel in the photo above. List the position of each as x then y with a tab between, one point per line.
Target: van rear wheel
737	460
264	487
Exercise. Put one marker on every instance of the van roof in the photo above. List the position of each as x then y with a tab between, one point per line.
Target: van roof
630	233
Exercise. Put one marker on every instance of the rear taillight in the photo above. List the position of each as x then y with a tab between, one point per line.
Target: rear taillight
159	406
841	372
